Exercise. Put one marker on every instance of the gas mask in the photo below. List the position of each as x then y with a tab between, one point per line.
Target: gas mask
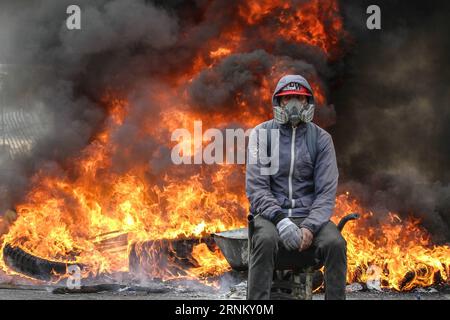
294	112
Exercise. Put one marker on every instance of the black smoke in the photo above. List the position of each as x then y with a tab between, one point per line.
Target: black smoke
392	100
65	73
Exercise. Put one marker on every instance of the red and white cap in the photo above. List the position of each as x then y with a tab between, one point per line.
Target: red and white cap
293	88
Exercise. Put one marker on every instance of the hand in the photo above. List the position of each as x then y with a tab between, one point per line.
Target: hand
290	234
307	239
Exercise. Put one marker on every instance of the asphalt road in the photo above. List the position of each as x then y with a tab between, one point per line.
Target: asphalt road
45	293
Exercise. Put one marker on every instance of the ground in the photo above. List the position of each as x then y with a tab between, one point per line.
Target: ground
229	286
14	292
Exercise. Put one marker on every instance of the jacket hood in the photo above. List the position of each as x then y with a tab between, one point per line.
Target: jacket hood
291	78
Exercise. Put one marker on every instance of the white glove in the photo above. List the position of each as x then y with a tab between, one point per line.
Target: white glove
290	234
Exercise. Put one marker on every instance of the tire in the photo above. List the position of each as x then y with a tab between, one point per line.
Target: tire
32	266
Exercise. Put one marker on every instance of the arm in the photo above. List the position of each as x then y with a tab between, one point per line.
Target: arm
325	185
258	190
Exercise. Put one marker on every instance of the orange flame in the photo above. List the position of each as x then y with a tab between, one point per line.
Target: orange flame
399	252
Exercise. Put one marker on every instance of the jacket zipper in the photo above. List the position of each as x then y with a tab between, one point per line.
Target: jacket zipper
291	169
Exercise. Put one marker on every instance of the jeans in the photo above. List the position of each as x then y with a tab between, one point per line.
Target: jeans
328	248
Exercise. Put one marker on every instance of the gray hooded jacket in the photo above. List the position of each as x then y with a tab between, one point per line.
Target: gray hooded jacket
299	188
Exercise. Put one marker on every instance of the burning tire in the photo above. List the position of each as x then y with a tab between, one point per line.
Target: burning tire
32	266
167	254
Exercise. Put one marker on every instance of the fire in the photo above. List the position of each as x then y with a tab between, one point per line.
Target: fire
120	202
302	24
93	214
399	252
220	52
210	263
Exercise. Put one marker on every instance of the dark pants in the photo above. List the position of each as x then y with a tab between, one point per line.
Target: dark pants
328	248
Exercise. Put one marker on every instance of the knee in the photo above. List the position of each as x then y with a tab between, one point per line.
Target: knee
340	244
335	244
266	242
